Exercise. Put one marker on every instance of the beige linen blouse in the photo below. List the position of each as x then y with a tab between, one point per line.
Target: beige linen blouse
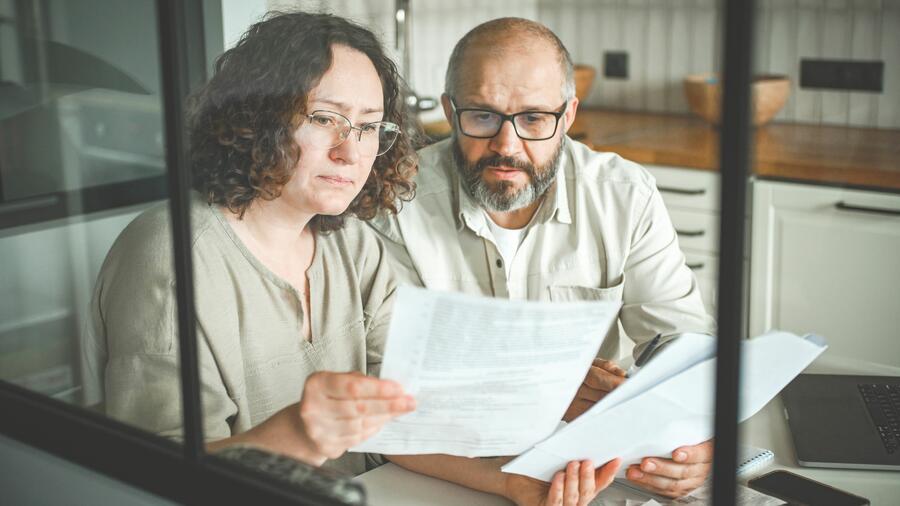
253	359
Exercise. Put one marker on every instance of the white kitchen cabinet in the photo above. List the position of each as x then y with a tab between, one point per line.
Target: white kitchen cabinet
827	261
692	199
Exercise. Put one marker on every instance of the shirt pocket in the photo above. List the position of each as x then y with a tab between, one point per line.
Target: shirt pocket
572	293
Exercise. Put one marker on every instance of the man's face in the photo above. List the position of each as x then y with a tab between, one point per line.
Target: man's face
505	172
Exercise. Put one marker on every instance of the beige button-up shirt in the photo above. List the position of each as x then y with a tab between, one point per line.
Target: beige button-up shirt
602	232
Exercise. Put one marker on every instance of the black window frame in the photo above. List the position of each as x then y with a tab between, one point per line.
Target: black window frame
185	473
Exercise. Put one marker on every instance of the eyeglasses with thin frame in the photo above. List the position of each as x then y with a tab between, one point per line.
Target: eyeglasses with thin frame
329	129
528	125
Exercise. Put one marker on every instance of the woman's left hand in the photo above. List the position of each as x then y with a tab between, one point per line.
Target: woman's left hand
577	485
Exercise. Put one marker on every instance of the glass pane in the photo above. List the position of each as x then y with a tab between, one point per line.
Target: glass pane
81	154
825	230
632	60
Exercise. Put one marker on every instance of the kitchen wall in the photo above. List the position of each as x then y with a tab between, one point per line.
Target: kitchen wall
666	40
838	29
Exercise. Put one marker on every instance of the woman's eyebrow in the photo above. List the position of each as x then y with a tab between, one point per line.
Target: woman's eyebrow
344	107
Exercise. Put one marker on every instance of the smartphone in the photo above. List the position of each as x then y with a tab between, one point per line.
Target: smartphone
800	491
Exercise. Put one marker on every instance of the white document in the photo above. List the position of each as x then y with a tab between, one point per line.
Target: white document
490	376
670	402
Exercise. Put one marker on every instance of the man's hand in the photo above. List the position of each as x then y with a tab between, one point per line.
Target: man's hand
675	477
577	485
601	379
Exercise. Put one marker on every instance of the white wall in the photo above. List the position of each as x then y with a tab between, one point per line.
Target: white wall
237	16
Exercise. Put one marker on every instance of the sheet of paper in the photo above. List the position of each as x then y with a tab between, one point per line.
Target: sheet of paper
664	412
490	376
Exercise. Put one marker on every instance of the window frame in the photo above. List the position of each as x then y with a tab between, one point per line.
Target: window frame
735	151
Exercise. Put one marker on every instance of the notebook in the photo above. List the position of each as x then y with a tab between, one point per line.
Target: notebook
752	459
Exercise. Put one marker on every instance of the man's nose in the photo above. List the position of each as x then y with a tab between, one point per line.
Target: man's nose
506	142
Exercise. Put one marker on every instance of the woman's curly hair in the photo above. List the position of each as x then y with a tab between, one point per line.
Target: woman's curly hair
243	120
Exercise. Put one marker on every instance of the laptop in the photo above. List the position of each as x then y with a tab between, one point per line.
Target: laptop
845	422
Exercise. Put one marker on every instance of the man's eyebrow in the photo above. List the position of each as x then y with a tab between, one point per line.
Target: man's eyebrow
343	106
527	108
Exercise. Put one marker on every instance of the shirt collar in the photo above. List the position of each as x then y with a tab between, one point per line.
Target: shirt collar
469	214
560	189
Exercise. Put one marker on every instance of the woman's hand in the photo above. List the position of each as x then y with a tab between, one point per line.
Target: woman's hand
577	485
337	411
340	410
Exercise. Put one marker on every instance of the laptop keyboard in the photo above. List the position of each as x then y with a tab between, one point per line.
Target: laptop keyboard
883	403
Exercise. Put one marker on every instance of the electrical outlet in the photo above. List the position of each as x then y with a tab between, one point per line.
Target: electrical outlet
615	64
851	75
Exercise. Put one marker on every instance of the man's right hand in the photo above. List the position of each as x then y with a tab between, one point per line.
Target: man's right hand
601	379
340	410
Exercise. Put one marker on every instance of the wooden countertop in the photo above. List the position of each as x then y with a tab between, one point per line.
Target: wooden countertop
862	157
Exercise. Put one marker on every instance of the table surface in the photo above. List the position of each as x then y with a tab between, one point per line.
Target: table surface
391	485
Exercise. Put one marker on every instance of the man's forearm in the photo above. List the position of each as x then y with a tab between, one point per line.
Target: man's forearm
477	473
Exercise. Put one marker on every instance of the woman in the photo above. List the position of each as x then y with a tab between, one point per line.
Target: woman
297	132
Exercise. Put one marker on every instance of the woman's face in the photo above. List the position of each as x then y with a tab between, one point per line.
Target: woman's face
325	180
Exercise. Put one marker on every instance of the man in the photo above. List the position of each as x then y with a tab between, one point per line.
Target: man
511	207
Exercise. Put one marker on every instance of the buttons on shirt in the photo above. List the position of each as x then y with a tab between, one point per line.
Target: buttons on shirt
499	263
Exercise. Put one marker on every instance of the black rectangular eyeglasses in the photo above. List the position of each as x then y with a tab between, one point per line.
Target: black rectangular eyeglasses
529	125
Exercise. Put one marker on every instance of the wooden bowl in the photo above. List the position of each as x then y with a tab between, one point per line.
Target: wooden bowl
584	79
770	93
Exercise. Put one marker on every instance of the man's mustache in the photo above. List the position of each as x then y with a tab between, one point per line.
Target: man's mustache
504	161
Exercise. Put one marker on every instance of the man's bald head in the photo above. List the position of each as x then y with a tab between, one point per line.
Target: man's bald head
499	37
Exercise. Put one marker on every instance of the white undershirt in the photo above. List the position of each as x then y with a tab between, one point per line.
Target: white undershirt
507	241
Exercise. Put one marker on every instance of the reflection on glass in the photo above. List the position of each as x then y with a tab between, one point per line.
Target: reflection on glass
79	110
79	102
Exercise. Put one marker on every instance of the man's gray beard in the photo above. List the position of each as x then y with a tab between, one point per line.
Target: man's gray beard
496	197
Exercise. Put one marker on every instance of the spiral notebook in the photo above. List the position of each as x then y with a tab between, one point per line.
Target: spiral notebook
751	458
